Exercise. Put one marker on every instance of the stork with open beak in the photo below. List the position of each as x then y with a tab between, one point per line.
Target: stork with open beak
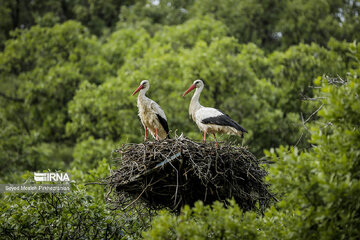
211	120
151	115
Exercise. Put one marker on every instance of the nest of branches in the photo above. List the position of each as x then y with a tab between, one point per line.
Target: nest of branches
178	171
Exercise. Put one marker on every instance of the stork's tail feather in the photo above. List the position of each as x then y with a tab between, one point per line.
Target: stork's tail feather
239	127
164	124
240	133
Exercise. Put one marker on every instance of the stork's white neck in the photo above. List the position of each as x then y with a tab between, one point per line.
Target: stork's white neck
142	98
142	93
195	104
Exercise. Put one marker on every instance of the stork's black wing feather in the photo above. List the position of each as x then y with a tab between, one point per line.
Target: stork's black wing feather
164	124
224	120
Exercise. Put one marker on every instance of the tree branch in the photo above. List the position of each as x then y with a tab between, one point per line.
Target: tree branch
313	113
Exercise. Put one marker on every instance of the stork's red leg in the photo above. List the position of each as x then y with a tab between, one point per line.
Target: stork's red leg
145	134
204	136
157	136
215	139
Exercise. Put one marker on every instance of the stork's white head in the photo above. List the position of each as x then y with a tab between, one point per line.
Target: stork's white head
196	84
144	86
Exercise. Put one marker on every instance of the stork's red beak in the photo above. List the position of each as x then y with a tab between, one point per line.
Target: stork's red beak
138	89
192	87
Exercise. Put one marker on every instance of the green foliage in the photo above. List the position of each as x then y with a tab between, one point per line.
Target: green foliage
123	44
152	14
89	152
248	21
294	70
79	214
85	177
24	151
323	184
281	24
44	66
41	69
310	21
271	24
5	24
99	17
205	222
71	215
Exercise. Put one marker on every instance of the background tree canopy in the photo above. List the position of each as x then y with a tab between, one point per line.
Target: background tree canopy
287	70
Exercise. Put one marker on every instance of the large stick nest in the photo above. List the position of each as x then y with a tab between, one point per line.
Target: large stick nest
175	172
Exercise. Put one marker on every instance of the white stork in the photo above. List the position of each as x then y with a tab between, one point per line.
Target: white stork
151	114
211	120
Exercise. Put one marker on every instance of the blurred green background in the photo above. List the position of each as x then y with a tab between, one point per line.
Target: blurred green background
68	69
